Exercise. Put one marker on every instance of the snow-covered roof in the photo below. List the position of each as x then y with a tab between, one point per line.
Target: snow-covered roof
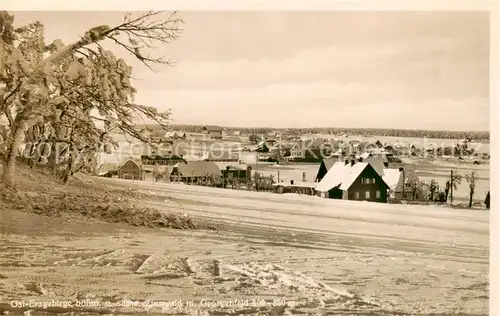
333	177
392	177
354	172
342	175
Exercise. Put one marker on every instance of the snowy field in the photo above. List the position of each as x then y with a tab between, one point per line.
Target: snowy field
406	258
278	255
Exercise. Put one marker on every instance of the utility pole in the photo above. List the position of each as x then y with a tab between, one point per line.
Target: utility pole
404	183
278	176
451	186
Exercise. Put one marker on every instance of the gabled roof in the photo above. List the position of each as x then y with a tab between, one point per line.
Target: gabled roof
393	178
329	162
198	169
333	177
353	174
136	162
342	175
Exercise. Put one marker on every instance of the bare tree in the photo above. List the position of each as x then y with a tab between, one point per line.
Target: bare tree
471	179
455	181
433	187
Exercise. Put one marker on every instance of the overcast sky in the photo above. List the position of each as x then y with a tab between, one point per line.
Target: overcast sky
425	70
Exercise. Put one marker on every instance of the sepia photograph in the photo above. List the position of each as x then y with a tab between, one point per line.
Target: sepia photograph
245	162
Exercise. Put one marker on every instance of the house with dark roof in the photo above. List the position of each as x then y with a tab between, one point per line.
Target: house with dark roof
131	169
352	180
236	171
214	132
196	172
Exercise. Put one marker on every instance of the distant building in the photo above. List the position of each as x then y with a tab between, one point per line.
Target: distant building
214	132
398	181
352	180
131	169
239	172
314	150
159	136
151	160
175	135
195	171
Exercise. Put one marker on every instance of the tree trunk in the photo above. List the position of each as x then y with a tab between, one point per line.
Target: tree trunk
69	168
14	141
470	198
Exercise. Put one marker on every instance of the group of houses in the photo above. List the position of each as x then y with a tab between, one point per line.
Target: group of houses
362	178
190	172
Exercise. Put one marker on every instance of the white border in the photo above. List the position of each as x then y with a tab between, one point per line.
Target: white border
494	167
201	5
352	5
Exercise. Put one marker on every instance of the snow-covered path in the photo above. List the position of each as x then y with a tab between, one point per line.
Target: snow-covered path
436	231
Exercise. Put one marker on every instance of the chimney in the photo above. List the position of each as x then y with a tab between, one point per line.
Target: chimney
291	182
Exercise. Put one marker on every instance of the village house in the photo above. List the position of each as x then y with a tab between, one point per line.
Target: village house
271	141
215	132
327	163
398	181
175	135
131	169
196	172
151	160
159	136
314	150
352	180
238	172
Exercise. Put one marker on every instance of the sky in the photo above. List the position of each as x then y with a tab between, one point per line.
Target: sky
412	70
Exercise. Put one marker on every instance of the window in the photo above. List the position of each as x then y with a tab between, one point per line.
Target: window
367	194
377	194
356	195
